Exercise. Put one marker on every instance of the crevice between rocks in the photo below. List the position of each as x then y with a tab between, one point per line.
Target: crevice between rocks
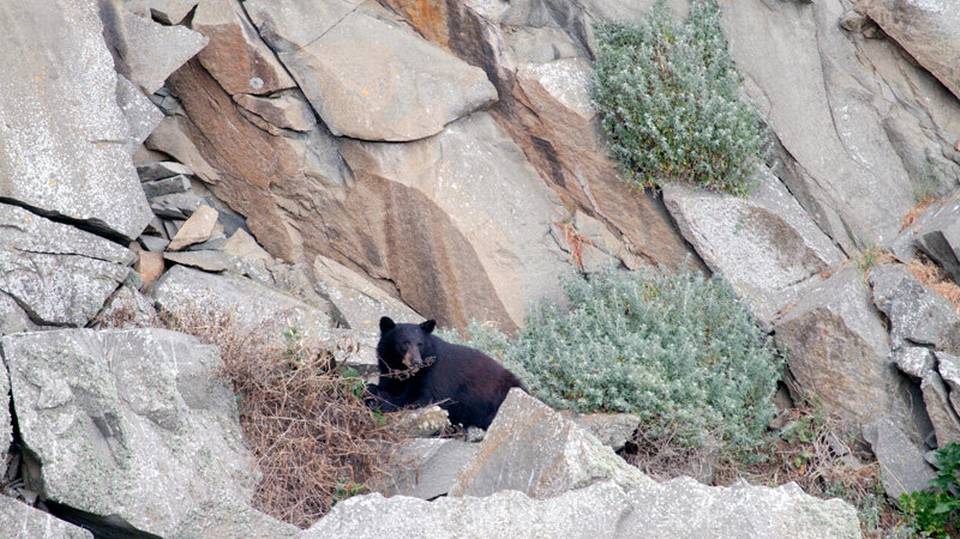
93	226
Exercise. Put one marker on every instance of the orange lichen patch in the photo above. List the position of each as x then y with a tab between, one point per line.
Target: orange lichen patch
575	243
934	278
911	216
429	17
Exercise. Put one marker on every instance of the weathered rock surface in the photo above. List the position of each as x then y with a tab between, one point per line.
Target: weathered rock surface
678	508
247	305
20	521
358	301
917	315
165	11
613	430
948	365
59	274
764	245
63	138
159	170
288	110
213	261
428	467
396	87
838	349
130	424
166	186
902	466
235	55
144	51
6	424
129	307
946	424
493	250
873	127
533	449
141	114
12	318
939	237
929	31
226	518
914	360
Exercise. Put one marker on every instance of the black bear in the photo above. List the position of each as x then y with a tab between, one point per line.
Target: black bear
418	368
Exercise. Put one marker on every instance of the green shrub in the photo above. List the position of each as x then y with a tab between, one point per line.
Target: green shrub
668	98
936	512
679	351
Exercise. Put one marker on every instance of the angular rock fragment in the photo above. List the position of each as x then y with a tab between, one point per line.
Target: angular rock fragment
162	169
532	449
175	206
428	467
169	12
134	426
166	186
286	111
58	274
213	261
144	51
377	91
902	466
141	114
946	424
197	229
917	315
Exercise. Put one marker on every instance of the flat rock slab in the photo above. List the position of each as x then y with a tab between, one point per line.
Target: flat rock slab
395	86
12	318
20	521
63	137
213	261
680	508
197	229
251	306
928	30
939	237
902	466
428	467
533	449
141	114
144	51
59	274
132	424
765	245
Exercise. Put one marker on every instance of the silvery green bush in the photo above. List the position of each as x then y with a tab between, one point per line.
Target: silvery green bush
668	98
679	351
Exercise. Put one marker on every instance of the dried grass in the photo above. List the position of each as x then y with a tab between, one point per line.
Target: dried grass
934	278
314	439
911	216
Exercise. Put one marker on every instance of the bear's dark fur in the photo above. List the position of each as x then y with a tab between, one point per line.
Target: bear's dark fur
418	368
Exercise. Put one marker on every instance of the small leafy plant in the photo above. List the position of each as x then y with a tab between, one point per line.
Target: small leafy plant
668	96
679	351
936	512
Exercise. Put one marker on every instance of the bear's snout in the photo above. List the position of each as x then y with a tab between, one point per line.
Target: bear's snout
412	359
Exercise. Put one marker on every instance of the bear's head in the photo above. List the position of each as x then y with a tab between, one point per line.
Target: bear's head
406	346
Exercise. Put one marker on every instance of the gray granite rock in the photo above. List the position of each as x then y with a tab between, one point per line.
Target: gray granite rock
681	508
533	449
227	518
144	51
928	30
166	186
159	170
63	137
613	430
20	521
917	315
397	87
939	237
251	306
13	319
765	245
914	360
166	11
946	424
134	426
58	274
903	468
176	205
213	261
141	114
428	467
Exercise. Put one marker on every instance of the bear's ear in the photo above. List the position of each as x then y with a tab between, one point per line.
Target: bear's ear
386	324
428	326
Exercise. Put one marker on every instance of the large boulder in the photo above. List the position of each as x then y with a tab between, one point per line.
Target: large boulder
59	274
394	86
20	521
533	449
427	468
765	245
929	31
63	137
839	352
826	100
249	307
460	223
680	508
132	426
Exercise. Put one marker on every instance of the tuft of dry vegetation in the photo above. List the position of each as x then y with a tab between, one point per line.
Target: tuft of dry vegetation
933	277
305	420
915	212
